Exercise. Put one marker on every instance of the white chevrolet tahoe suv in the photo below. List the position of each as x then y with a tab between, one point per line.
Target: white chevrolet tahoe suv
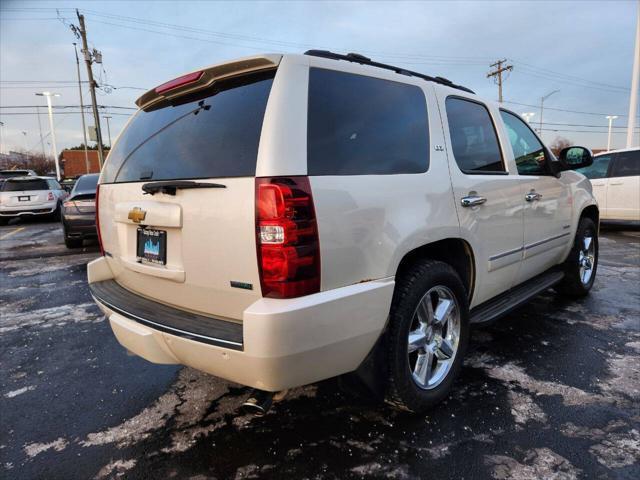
282	219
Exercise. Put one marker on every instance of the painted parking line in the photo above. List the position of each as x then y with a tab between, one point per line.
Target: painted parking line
7	235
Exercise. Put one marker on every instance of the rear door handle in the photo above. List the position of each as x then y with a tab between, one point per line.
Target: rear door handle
533	196
472	201
617	183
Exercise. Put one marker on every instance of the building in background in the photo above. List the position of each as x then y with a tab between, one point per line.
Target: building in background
73	162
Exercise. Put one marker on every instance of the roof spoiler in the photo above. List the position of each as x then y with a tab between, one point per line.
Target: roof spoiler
201	79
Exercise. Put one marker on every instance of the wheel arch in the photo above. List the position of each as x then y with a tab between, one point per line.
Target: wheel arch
453	251
592	212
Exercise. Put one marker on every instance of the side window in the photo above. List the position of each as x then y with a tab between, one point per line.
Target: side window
359	125
473	137
598	169
54	185
529	153
626	164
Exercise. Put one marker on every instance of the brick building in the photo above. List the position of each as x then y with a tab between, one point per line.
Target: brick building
73	162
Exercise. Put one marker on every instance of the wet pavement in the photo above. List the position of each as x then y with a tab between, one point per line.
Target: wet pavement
550	391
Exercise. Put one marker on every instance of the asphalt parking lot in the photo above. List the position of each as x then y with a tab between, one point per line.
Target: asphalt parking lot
551	391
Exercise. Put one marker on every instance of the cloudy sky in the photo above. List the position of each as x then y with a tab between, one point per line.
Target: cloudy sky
584	49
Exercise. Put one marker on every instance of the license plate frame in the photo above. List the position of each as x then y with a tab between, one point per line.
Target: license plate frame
151	246
24	198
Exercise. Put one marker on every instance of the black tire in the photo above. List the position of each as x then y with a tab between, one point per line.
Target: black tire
4	220
72	242
403	391
572	284
57	213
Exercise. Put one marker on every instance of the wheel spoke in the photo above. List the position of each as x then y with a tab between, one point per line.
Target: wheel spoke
586	242
422	370
425	311
417	339
444	350
443	310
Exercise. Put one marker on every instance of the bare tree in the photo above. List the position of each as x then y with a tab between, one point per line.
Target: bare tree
558	144
37	162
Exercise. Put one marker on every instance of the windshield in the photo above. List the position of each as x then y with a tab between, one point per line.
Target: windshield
212	134
20	185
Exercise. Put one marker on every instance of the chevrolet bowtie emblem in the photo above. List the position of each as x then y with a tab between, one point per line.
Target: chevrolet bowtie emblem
136	214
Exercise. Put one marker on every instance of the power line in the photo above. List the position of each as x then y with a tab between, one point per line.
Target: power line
563	110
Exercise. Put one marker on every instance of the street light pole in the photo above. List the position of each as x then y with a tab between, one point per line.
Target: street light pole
54	149
44	154
611	118
108	129
542	99
527	116
635	84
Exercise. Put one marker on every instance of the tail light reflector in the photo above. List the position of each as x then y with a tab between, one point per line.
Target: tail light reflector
98	220
287	237
50	197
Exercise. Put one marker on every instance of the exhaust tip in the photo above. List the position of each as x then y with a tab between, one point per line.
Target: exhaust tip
258	403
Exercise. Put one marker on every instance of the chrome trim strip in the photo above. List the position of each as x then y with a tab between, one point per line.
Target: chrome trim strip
160	326
540	242
505	254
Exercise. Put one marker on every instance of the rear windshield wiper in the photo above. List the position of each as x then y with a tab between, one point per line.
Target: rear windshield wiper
170	187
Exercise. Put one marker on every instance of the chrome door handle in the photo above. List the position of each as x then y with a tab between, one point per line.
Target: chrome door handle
616	183
532	196
472	201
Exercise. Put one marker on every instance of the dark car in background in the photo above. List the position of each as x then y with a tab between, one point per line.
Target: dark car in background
79	211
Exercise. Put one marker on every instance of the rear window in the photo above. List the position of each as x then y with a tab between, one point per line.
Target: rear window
361	125
86	183
212	134
20	185
13	173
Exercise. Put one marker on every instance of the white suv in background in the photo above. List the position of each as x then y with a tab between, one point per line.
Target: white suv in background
282	219
615	177
30	196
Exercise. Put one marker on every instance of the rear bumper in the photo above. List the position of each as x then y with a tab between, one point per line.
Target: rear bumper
18	210
80	225
279	344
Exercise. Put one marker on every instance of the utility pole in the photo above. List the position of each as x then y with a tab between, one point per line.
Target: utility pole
611	118
108	129
633	100
84	128
499	69
54	148
542	99
89	57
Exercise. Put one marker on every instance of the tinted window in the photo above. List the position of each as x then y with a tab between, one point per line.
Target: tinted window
19	185
212	134
598	169
361	125
626	164
473	137
86	183
529	153
13	173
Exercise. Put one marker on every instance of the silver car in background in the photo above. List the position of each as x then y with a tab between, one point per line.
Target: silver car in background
30	196
79	211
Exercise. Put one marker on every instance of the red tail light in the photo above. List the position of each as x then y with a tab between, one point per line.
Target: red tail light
50	197
179	82
98	220
287	237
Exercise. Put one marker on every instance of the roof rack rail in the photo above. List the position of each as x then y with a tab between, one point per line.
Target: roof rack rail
357	58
